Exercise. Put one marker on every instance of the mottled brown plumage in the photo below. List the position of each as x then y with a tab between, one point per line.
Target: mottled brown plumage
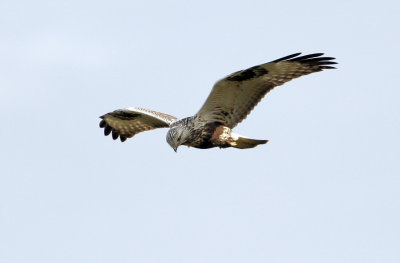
229	102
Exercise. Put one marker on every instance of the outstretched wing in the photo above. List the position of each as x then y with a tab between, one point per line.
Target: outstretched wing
235	96
125	123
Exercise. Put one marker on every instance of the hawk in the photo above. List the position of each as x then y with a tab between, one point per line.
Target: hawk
230	101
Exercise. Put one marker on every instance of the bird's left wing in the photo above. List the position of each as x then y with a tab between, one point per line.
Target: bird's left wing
125	123
235	96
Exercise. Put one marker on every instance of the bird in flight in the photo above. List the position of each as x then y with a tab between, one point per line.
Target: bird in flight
230	101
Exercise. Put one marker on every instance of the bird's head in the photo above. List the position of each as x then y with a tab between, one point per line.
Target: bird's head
177	136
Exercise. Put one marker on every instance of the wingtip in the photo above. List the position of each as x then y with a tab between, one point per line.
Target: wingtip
115	135
102	124
287	57
107	130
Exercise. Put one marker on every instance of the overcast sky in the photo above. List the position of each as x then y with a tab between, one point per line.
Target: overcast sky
324	189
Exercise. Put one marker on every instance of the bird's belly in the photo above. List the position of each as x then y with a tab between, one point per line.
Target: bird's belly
211	135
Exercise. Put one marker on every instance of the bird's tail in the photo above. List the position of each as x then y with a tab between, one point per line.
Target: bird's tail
246	143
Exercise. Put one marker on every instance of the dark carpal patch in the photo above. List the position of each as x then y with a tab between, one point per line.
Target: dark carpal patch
123	115
253	72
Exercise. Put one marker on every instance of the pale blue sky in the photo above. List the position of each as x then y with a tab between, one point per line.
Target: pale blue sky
324	189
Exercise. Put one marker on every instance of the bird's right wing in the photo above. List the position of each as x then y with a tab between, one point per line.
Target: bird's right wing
125	123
